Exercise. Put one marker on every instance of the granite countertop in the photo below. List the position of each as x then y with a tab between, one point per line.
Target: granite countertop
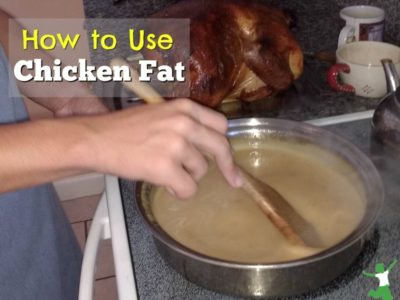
308	98
156	280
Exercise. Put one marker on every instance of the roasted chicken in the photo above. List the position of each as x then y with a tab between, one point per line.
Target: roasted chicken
238	49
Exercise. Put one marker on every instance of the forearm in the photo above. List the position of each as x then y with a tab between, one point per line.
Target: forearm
33	153
164	144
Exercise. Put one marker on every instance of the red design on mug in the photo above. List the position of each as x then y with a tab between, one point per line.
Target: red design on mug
333	81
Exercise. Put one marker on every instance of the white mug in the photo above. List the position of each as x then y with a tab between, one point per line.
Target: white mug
363	23
359	67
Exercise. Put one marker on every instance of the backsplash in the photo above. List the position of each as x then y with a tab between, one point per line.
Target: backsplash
318	22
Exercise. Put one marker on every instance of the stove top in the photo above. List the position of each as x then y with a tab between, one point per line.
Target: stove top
156	280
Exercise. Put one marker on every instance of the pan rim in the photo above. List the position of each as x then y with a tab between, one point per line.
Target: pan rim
237	126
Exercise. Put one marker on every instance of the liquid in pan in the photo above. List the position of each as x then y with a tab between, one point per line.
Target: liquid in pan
223	222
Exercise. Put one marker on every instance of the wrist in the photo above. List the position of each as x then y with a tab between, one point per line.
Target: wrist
74	138
87	150
90	149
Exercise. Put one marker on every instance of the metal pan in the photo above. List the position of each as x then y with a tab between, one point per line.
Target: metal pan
277	279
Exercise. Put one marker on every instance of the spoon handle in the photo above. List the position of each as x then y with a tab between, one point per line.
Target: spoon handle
143	90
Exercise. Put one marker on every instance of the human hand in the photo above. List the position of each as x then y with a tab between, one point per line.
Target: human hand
165	144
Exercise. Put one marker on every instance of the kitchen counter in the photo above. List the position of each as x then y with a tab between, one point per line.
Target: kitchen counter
308	98
156	280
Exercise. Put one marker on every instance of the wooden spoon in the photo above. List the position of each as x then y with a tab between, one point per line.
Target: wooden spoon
274	205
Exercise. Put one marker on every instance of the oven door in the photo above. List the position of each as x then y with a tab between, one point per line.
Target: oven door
109	223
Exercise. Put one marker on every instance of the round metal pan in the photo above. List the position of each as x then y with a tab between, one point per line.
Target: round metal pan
276	279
